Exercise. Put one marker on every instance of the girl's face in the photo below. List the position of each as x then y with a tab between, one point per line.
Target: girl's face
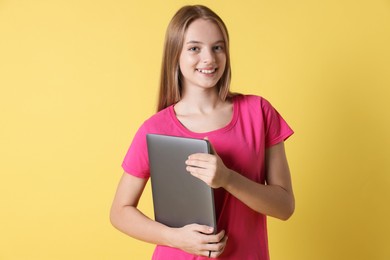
203	58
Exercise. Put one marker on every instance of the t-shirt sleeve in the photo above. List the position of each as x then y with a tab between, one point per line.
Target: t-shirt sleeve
276	128
136	161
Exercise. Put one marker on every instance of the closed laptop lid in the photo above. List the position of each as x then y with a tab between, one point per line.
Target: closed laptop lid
179	198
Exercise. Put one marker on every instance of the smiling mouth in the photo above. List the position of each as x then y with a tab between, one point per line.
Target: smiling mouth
207	71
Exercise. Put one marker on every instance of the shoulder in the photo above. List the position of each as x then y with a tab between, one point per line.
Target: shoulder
153	124
252	101
159	122
159	117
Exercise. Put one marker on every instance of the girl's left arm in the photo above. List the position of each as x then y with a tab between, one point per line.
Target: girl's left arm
275	199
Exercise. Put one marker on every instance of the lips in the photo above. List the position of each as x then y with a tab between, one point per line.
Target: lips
207	71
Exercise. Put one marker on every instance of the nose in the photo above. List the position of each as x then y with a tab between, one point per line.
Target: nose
208	56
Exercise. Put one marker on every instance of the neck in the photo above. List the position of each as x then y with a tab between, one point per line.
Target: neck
200	101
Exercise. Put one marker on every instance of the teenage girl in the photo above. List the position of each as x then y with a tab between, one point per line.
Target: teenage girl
248	171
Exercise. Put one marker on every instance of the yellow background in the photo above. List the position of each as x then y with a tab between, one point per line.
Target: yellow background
78	77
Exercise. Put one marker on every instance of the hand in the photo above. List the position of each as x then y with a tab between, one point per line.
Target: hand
199	240
209	168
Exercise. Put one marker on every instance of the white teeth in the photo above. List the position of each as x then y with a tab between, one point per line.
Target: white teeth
206	71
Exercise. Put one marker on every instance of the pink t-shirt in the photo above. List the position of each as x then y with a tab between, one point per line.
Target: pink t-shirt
241	144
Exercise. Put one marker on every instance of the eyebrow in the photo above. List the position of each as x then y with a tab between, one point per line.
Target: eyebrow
198	42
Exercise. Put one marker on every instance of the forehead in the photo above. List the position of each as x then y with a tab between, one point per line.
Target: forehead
202	30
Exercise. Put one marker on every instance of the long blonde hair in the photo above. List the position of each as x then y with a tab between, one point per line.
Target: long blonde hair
170	79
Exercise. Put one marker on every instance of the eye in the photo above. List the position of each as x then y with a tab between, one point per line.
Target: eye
194	48
218	48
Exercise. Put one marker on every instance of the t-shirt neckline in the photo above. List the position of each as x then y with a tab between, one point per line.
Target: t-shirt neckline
204	134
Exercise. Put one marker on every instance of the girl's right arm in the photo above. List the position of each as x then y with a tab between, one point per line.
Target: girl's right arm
128	219
124	215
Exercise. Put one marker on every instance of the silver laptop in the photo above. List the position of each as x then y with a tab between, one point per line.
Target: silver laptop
178	197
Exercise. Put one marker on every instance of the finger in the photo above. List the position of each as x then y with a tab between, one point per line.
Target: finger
211	240
210	254
207	253
197	163
211	162
196	171
216	250
220	236
202	229
217	237
200	156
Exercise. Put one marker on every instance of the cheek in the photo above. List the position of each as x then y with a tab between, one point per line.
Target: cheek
222	63
187	63
221	58
182	64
